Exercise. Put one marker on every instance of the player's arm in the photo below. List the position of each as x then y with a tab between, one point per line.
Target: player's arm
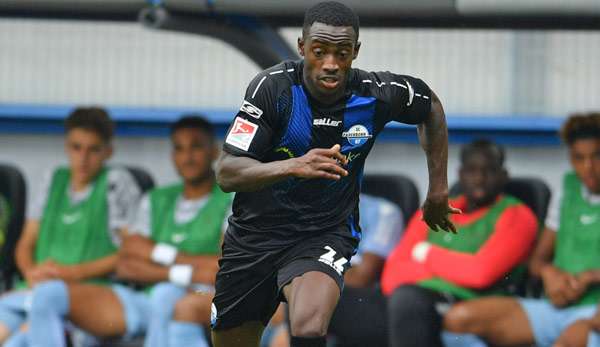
560	287
194	269
83	271
245	174
433	136
510	243
198	269
543	253
140	252
24	252
138	270
413	102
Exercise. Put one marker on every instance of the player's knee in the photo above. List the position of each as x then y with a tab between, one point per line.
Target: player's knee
574	336
308	323
459	319
184	310
193	308
50	296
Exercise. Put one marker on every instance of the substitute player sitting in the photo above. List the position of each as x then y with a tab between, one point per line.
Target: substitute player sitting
176	237
72	231
295	155
566	258
428	272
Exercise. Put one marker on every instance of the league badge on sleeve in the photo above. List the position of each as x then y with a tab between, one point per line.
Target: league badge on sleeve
241	134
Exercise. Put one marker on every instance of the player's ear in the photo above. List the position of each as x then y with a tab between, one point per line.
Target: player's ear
356	49
301	46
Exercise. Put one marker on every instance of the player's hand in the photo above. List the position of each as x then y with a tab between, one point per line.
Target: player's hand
561	287
319	163
67	273
573	333
137	246
35	276
577	285
41	272
435	213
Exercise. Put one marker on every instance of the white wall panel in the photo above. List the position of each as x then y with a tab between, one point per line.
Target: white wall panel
58	62
481	72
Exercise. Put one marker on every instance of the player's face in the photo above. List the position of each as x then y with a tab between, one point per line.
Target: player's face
585	159
328	53
482	179
87	152
193	154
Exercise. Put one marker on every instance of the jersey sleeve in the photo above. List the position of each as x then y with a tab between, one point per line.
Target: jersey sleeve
141	222
553	218
36	206
123	198
252	130
409	98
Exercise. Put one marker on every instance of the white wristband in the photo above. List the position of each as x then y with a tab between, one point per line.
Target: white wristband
181	275
420	251
164	254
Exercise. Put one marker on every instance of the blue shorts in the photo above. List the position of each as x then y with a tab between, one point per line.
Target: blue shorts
14	307
593	339
548	322
136	307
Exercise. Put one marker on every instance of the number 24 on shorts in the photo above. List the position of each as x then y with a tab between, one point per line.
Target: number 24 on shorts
328	258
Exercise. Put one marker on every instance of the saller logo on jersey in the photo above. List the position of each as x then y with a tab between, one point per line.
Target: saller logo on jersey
357	135
241	134
327	122
251	110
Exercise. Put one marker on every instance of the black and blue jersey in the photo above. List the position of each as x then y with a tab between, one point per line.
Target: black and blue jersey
279	120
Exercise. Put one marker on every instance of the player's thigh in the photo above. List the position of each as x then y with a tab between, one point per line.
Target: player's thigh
194	307
313	278
300	293
575	335
500	320
247	334
312	298
96	309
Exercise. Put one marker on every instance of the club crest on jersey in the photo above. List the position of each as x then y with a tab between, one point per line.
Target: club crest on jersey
251	110
241	134
357	135
327	122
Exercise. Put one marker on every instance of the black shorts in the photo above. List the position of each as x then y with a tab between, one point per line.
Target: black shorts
251	278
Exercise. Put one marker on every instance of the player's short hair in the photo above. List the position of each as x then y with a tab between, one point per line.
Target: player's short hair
581	126
331	13
489	148
194	121
95	119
